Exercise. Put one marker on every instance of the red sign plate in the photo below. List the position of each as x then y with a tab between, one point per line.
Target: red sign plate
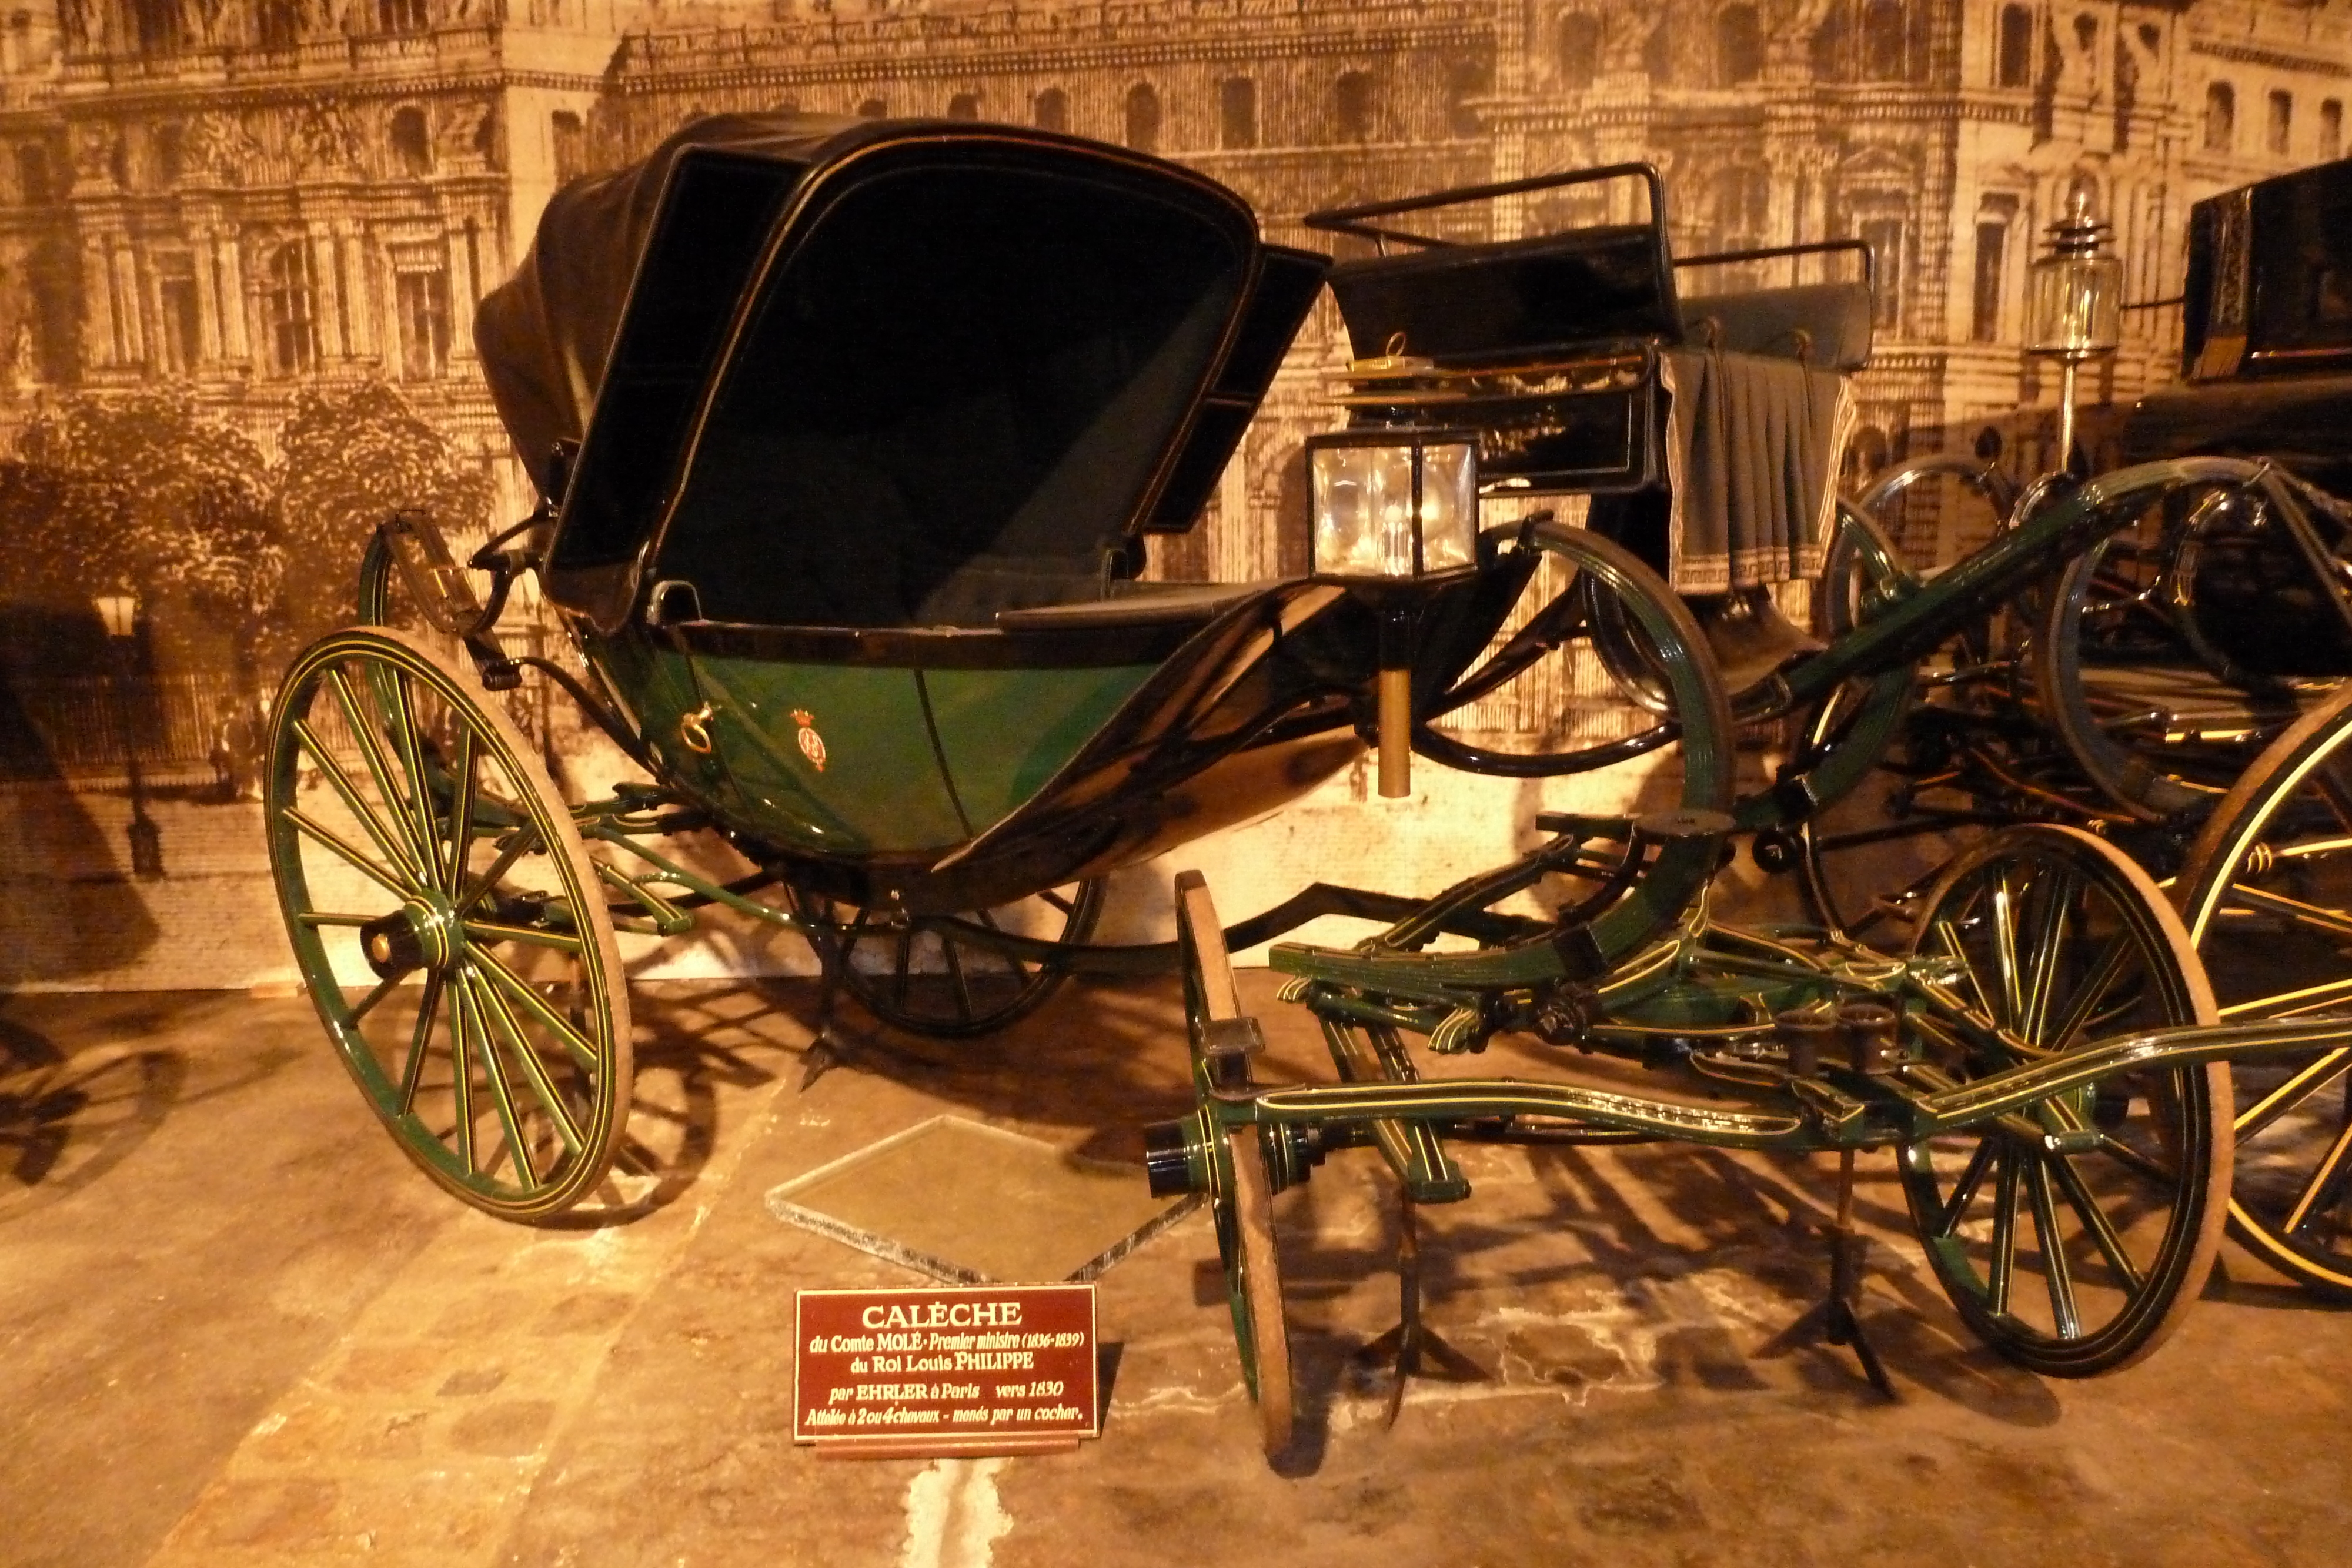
987	1369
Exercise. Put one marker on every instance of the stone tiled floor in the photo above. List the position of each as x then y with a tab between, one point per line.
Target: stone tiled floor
235	1327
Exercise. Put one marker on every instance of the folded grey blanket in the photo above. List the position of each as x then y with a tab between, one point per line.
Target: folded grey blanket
1751	461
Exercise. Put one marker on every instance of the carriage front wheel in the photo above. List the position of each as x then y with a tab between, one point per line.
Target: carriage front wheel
2073	1233
448	923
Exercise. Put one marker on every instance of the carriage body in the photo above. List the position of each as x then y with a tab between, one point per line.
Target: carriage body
864	429
2266	373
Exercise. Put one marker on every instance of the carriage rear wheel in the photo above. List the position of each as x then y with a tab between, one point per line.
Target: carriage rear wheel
2267	894
2154	714
1591	667
448	922
945	977
2073	1234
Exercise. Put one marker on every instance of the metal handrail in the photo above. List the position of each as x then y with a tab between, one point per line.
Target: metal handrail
1349	220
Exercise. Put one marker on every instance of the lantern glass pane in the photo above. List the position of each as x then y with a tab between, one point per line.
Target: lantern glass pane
2074	304
1449	506
1364	506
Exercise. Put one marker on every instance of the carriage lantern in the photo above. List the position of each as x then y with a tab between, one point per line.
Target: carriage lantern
2074	304
1392	504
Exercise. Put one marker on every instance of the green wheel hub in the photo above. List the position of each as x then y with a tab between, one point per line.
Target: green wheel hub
425	932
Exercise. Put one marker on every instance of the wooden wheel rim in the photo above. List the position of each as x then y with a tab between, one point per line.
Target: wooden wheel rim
2237	833
1258	1314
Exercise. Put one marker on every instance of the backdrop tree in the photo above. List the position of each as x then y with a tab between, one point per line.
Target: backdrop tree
348	458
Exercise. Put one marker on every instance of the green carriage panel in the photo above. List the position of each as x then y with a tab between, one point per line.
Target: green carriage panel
1005	732
833	760
656	688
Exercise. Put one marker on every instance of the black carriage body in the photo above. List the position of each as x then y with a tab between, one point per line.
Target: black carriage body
860	429
2266	368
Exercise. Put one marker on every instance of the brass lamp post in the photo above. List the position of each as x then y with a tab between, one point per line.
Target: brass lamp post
1394	504
119	612
2073	305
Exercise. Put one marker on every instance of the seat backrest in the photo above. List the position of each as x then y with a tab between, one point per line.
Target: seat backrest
1469	303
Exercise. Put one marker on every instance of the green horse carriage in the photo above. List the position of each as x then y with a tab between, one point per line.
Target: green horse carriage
853	437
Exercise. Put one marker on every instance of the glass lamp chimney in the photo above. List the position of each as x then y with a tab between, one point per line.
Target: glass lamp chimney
2075	293
2074	306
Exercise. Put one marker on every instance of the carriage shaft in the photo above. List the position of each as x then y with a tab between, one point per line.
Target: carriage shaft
1824	1118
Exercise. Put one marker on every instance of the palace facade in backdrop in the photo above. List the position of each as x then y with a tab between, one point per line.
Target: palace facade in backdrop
235	209
246	197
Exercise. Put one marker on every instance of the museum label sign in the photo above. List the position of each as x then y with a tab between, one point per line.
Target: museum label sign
987	1369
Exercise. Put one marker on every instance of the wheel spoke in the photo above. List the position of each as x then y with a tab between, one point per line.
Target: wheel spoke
1946	934
526	838
402	720
2311	849
962	984
1020	970
382	876
2310	999
2328	920
2306	1081
462	1077
495	1078
2331	789
1964	1191
461	813
2324	1191
2004	952
2139	1163
2054	1268
2049	948
532	935
316	917
2005	1233
902	964
420	1043
366	1004
2095	1220
2103	973
396	850
542	1088
584	1052
379	767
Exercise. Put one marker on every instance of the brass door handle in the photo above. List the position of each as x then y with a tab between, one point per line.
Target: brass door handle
694	730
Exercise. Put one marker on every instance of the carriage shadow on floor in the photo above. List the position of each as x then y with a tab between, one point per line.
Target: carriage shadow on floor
67	1118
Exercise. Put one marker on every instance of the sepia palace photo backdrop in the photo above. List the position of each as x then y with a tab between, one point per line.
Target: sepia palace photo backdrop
241	243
